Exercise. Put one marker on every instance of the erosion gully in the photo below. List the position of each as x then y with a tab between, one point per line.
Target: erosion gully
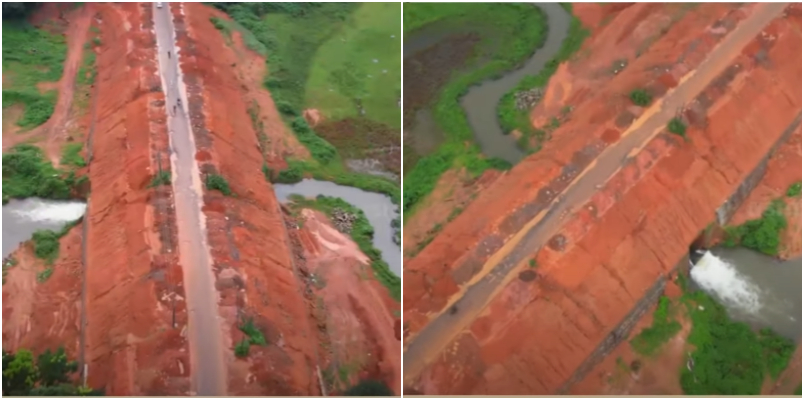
501	266
205	338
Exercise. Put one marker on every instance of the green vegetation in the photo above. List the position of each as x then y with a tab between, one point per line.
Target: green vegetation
509	116
219	183
762	234
31	56
369	388
640	97
321	55
49	374
71	155
88	70
362	233
254	336
46	242
27	173
729	358
510	33
677	127
663	328
161	178
794	190
532	263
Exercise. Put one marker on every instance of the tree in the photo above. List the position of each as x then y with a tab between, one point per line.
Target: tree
49	376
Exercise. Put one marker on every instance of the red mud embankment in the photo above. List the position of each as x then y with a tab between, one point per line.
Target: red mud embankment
135	312
537	331
251	256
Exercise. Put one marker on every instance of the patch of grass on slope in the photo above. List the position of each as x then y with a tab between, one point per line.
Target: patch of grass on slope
362	60
663	328
524	29
31	56
27	173
762	234
362	233
509	117
729	358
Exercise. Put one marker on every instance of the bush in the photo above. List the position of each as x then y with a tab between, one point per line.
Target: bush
369	388
794	190
291	174
219	183
640	97
50	375
763	234
161	178
254	334
677	127
242	348
663	328
27	173
286	108
46	245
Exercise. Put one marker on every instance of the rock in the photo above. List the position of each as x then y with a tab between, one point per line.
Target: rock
312	116
527	99
343	220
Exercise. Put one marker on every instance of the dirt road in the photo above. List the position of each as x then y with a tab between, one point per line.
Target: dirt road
204	331
503	265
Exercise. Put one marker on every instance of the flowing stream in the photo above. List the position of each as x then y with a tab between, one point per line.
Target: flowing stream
378	208
21	218
754	288
480	102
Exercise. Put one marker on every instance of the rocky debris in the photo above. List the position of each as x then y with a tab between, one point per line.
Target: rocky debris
618	66
527	99
312	116
343	220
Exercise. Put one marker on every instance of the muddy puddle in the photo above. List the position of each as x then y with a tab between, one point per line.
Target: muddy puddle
754	288
378	208
21	218
480	102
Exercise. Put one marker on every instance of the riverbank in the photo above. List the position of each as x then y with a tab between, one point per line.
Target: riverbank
333	73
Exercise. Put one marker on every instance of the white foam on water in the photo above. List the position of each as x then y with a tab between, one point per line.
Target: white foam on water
720	279
38	210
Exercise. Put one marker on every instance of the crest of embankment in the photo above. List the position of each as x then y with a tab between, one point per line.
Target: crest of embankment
134	307
251	256
547	320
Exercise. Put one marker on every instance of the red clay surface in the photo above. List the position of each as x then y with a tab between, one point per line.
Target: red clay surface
354	310
636	227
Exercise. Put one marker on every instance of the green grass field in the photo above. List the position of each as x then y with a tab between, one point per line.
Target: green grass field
31	56
344	67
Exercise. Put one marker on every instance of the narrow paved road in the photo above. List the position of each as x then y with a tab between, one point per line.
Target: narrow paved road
208	370
503	265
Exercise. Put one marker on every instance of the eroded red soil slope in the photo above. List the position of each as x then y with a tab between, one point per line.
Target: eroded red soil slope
546	316
255	274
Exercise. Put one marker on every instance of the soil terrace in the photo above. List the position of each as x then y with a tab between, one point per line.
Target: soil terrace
255	275
603	256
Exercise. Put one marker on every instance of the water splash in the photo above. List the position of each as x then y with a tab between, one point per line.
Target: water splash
720	279
37	210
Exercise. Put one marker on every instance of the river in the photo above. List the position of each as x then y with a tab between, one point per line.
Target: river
378	208
754	288
480	102
21	218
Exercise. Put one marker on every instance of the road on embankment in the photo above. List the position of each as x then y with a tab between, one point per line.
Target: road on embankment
501	266
208	370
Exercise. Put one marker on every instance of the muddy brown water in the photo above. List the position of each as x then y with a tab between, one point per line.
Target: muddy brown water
480	102
379	210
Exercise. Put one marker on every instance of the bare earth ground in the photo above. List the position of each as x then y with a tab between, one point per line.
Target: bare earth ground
354	309
634	228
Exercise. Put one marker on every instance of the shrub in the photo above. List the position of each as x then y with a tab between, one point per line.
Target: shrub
241	349
761	234
291	174
794	190
677	127
219	183
640	97
663	328
369	388
286	108
161	178
46	245
27	173
254	334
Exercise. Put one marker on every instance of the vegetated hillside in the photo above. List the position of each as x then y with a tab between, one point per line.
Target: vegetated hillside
333	71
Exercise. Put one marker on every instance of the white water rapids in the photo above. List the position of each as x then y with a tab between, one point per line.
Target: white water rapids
754	288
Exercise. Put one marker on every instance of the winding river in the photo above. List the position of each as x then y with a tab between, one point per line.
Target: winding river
378	208
480	102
